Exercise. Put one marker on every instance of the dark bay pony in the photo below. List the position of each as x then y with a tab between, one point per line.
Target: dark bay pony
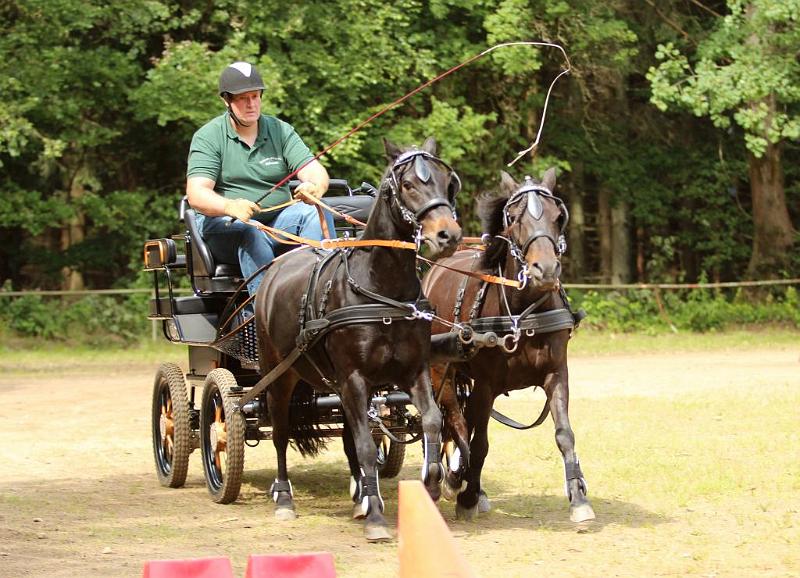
360	319
525	224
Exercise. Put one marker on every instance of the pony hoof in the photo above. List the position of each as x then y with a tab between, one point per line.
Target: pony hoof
449	493
358	512
582	513
466	514
376	533
484	505
285	514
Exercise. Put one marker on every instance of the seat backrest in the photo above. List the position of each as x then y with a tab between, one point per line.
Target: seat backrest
206	275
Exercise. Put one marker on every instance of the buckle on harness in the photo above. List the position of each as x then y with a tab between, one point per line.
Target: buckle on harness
417	314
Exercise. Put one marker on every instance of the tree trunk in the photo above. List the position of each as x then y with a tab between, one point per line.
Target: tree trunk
620	244
773	235
73	232
577	223
604	234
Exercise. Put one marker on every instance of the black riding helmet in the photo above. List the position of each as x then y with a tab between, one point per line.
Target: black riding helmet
239	77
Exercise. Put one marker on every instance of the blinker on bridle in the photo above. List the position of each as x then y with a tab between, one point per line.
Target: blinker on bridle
534	193
423	173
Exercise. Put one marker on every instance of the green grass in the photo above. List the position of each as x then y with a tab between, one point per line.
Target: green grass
30	356
594	342
33	355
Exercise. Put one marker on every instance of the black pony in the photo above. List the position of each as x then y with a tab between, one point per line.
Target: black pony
525	226
359	319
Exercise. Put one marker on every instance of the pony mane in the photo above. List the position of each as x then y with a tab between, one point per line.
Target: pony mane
490	212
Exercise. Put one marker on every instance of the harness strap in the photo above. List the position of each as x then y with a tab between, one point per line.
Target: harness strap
544	322
267	380
505	420
329	244
318	328
482	276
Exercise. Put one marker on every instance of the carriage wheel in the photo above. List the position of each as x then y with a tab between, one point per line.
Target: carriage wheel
222	434
171	426
390	455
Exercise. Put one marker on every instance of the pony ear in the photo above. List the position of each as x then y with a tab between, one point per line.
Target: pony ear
507	183
392	150
429	146
549	179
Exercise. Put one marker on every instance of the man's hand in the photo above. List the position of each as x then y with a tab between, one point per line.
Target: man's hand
240	209
307	188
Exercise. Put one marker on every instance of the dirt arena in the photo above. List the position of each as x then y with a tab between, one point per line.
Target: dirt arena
79	495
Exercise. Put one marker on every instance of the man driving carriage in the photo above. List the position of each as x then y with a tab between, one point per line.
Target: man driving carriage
233	160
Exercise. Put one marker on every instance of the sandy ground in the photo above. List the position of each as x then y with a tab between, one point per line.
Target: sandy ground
79	495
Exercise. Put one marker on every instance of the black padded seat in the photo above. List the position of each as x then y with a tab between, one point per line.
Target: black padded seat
207	275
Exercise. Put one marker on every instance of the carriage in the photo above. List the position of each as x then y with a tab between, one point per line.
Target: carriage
223	352
385	342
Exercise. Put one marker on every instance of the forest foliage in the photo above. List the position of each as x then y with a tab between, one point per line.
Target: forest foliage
678	124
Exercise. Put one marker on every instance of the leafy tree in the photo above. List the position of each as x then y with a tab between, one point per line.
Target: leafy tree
746	74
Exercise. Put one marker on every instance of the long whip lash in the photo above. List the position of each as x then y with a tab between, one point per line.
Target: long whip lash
425	85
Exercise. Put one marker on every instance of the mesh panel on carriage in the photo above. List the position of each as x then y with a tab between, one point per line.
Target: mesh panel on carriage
241	342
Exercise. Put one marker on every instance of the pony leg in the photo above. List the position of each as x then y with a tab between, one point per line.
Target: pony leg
355	470
579	508
454	428
422	398
479	407
278	399
355	402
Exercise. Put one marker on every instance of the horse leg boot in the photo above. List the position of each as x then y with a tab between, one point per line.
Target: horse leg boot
422	398
281	490
355	400
579	508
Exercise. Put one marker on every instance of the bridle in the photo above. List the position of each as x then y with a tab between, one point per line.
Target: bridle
534	193
392	185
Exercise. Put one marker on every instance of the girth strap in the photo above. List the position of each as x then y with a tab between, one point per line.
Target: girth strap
544	322
505	420
318	328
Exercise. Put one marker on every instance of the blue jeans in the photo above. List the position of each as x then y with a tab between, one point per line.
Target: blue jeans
251	248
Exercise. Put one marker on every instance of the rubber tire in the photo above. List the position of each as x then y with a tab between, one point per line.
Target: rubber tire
170	385
223	487
392	461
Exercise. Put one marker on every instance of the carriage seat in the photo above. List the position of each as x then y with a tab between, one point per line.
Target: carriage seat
207	275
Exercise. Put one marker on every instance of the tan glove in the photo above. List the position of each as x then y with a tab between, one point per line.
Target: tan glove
310	189
241	209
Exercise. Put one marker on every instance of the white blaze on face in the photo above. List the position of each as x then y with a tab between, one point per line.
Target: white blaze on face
243	67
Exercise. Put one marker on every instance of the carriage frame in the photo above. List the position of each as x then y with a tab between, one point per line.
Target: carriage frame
198	408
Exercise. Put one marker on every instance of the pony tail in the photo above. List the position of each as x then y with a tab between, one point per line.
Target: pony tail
303	428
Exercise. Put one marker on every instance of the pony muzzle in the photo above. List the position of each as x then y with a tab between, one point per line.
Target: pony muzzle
441	233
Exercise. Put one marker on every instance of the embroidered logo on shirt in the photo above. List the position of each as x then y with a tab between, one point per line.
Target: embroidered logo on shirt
270	161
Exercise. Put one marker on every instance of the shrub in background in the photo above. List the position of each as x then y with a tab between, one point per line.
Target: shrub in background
116	319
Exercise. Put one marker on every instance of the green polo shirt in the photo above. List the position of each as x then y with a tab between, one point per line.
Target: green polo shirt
241	171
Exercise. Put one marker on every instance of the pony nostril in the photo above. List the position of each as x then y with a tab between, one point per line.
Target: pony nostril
443	236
